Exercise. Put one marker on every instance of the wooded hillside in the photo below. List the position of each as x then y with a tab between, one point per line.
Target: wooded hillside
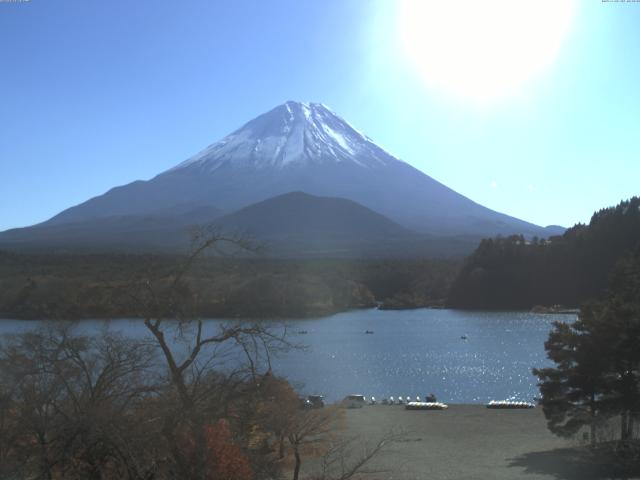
510	272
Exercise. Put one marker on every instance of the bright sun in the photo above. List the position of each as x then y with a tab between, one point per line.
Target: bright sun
483	49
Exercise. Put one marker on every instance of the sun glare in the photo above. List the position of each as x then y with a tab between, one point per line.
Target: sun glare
483	49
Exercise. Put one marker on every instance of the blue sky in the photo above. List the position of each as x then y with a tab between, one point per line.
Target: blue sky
95	94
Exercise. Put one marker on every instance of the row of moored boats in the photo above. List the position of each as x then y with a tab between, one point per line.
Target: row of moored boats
429	403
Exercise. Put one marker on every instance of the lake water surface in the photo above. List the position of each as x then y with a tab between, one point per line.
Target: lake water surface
411	352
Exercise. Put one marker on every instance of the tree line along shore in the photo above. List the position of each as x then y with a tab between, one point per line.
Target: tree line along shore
97	286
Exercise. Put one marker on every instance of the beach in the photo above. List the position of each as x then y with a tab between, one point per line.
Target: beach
469	442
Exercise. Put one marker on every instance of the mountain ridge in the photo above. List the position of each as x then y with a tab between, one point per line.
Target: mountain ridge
292	225
299	213
307	148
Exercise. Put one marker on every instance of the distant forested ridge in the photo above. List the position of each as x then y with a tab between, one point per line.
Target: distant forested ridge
511	272
98	286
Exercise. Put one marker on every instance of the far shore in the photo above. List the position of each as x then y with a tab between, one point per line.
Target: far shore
309	315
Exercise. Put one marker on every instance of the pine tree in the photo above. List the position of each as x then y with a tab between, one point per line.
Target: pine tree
572	391
597	361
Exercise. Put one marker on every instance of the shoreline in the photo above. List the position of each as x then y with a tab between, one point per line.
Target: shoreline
293	317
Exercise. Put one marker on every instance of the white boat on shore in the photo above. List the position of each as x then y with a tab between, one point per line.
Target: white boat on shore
426	406
497	404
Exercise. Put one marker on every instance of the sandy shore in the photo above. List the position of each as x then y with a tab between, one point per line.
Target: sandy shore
469	442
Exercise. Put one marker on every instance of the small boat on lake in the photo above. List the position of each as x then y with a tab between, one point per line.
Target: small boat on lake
370	332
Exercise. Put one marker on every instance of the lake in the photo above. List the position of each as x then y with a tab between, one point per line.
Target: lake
411	352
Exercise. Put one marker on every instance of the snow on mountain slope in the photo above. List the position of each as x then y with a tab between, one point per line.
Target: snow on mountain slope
301	133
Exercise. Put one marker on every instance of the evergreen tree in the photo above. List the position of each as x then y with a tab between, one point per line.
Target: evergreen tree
621	332
572	392
509	273
597	361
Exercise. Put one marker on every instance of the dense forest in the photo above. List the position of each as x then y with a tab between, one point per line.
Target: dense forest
98	286
514	273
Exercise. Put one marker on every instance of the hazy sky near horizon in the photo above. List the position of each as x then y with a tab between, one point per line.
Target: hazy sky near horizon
95	94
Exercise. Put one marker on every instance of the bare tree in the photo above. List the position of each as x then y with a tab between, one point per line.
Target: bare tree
319	432
70	402
310	427
348	457
195	354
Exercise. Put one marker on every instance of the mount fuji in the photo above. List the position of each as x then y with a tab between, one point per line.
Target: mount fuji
295	147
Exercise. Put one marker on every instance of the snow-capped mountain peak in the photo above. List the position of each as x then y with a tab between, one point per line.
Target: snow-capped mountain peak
291	134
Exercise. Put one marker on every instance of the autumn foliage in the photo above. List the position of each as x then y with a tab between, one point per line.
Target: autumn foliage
226	460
